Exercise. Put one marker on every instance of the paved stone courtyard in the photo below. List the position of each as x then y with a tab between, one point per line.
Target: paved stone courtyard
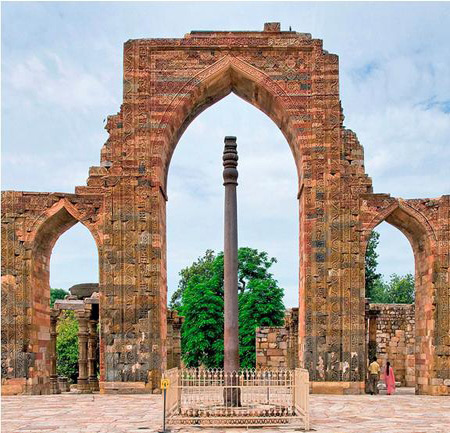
77	413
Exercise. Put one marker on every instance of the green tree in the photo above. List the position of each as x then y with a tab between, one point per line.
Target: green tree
373	278
199	299
201	267
379	293
399	290
67	346
202	308
260	305
57	294
253	265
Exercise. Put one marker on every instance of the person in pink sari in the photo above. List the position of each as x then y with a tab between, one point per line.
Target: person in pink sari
389	379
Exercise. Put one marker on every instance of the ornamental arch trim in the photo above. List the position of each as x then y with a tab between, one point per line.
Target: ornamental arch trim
68	215
421	222
229	74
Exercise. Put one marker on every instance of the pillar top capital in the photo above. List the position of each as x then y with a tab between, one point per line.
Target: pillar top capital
230	161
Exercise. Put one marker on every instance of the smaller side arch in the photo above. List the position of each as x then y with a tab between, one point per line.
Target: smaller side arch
40	239
422	237
53	222
404	217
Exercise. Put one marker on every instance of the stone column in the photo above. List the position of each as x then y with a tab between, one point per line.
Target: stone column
54	387
231	328
92	355
82	381
372	346
176	339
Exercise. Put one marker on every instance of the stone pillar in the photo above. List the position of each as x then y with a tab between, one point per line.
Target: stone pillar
372	346
92	355
176	339
83	380
230	283
63	384
231	336
54	387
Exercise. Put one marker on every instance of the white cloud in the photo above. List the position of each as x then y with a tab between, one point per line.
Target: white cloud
401	141
49	79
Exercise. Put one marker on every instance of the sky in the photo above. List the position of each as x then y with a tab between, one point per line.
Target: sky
62	76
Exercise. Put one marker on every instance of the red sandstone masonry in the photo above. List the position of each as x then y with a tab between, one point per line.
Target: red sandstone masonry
167	83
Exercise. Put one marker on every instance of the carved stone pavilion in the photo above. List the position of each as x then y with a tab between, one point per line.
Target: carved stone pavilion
167	83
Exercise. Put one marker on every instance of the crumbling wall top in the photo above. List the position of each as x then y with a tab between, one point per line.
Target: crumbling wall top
270	37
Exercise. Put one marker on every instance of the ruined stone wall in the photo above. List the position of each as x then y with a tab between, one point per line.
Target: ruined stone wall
167	83
31	224
277	346
394	336
426	224
395	339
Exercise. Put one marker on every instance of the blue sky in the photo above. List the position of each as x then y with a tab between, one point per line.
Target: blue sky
62	76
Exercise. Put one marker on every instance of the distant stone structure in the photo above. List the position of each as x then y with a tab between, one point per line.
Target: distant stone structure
84	290
86	312
390	337
394	339
277	346
167	83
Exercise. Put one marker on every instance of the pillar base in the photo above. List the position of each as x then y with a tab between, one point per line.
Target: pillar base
63	384
125	388
54	386
83	386
93	384
337	388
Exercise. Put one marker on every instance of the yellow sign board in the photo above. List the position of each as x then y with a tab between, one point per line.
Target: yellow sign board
165	383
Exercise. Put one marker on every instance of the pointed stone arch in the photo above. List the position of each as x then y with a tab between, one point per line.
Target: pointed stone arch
43	233
423	240
228	74
399	213
231	73
45	230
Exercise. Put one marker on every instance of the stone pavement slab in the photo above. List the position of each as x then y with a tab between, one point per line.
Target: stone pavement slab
78	413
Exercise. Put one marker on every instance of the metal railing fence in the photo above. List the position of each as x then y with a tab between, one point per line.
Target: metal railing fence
197	396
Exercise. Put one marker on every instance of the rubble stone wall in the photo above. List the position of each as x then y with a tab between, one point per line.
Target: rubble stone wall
395	339
278	346
272	347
